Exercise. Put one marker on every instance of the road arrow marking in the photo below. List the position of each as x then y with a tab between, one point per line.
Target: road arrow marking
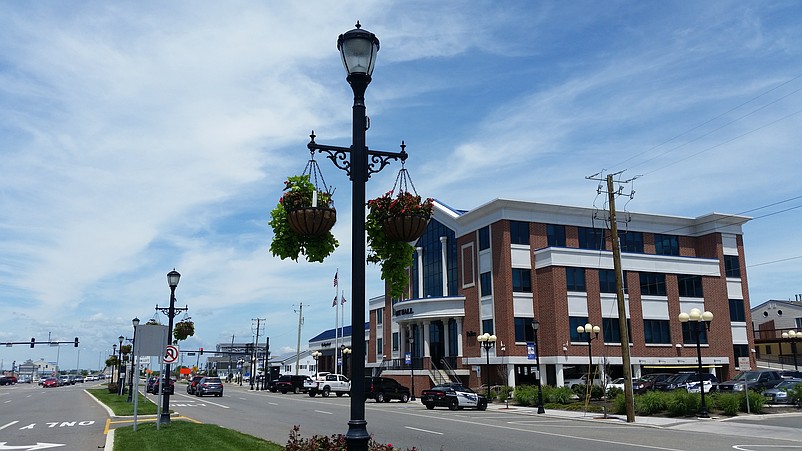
38	445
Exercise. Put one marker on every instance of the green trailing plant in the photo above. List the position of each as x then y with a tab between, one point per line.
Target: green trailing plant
299	191
394	257
183	330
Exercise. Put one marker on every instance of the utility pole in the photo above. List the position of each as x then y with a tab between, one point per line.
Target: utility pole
619	289
255	360
298	346
230	352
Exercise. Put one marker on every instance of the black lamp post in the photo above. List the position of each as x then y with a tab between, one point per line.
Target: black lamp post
120	381
793	336
135	322
587	330
316	355
696	319
358	49
487	341
411	341
346	353
540	409
114	369
172	280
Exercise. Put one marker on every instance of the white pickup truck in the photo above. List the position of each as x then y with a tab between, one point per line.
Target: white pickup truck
331	383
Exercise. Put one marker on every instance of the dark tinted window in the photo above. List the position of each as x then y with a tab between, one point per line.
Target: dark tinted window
732	267
652	284
519	232
690	286
666	244
555	235
484	238
631	241
521	280
575	279
592	239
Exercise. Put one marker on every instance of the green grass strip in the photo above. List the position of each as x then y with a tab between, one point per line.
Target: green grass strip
182	435
120	405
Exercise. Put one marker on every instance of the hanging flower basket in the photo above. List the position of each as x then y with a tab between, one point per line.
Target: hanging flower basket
302	221
405	227
183	330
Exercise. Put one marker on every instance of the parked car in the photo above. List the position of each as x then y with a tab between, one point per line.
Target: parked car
754	380
384	389
779	393
709	382
453	396
24	379
583	380
50	382
791	374
293	383
192	384
78	380
8	380
331	383
647	381
209	386
153	386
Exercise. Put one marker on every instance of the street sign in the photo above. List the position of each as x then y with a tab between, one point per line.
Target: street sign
744	364
170	354
530	351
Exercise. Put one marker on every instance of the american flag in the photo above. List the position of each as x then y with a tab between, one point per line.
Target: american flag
335	278
334	303
343	300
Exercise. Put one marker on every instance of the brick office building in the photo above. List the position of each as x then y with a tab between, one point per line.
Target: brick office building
499	266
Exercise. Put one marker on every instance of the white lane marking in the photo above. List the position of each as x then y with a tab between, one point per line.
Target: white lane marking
243	399
755	447
273	403
423	430
323	411
9	424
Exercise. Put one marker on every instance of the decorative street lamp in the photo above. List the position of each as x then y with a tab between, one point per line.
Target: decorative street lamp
172	280
540	409
135	322
411	341
697	318
588	329
487	341
346	352
794	337
316	355
114	369
120	382
358	49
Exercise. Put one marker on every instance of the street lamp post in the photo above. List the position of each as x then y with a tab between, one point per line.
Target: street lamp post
135	322
540	409
114	369
793	336
358	49
172	280
346	352
316	355
587	330
411	341
487	341
696	319
120	381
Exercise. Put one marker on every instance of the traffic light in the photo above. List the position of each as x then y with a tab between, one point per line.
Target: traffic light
33	342
76	342
201	351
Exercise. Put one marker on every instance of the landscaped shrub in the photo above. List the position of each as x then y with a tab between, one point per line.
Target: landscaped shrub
335	442
756	402
620	404
651	402
525	395
612	392
682	403
726	402
596	391
796	394
558	395
504	393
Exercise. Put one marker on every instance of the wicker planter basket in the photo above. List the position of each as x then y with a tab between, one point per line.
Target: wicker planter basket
405	228
312	221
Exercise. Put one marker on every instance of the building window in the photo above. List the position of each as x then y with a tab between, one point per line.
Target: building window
737	313
453	347
484	238
573	323
556	235
592	239
379	316
631	242
379	346
607	281
690	286
521	280
656	331
487	326
666	244
652	284
523	330
612	333
575	279
395	341
486	284
688	336
432	260
519	232
732	267
740	351
768	349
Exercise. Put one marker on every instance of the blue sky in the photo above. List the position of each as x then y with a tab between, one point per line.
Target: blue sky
138	137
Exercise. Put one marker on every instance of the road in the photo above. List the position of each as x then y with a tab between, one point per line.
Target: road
32	417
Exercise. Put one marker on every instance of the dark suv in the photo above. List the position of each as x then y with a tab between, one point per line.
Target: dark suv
647	381
383	389
193	383
754	380
684	380
292	383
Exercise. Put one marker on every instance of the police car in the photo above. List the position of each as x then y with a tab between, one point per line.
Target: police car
453	396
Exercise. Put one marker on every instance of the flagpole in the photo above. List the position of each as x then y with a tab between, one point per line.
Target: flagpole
336	320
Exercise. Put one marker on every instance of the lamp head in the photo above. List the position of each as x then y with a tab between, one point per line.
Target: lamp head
695	314
135	322
596	330
535	324
492	339
684	317
358	49
786	335
120	339
707	316
483	338
172	278
580	329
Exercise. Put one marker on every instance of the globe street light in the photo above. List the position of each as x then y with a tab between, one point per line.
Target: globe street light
135	322
487	341
120	382
697	318
793	336
358	49
411	341
346	352
587	329
316	355
540	409
117	362
172	281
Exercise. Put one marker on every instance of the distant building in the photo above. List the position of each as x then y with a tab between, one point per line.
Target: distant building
38	369
769	320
